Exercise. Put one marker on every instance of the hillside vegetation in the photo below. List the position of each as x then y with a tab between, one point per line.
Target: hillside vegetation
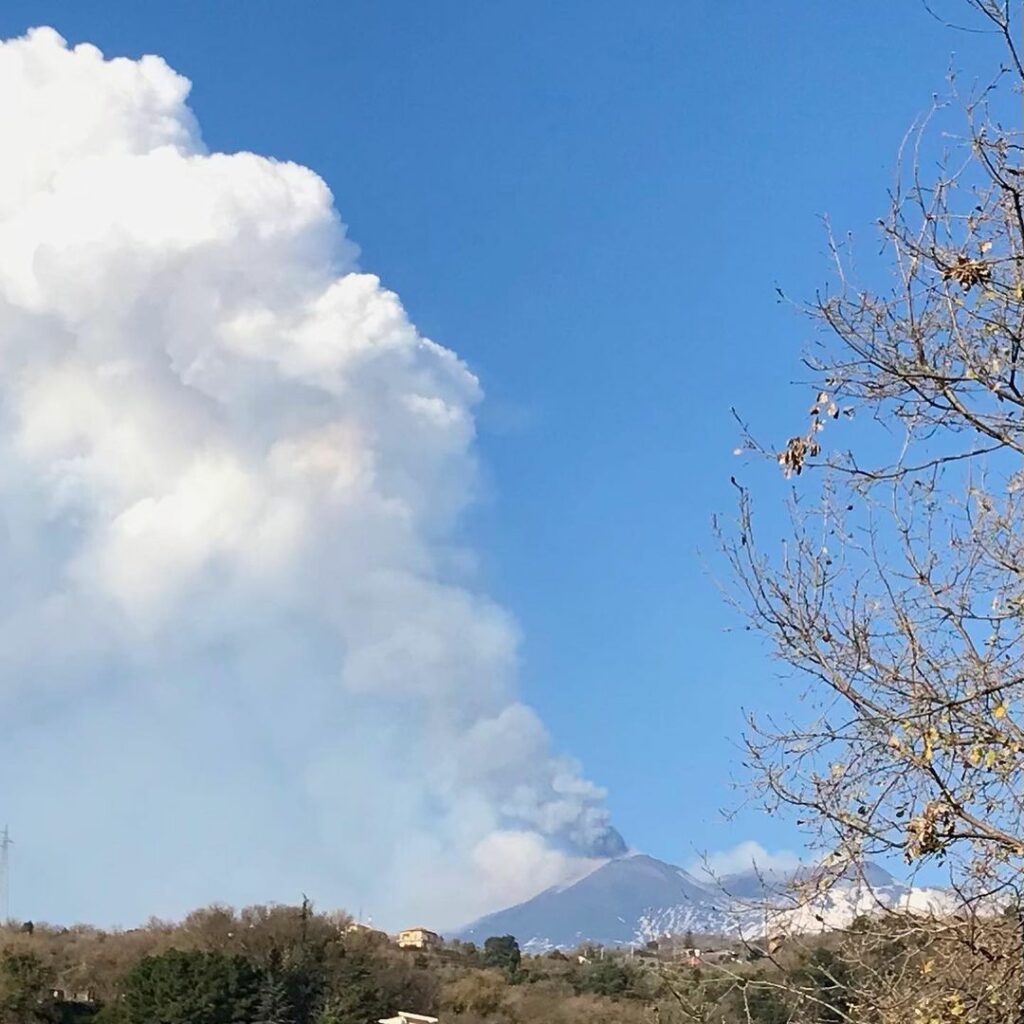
292	965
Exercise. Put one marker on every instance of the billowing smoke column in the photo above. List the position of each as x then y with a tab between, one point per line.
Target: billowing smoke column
241	655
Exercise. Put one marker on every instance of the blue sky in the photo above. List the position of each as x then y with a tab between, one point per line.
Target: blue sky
592	203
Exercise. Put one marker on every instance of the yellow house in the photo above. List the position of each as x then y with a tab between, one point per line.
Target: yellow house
419	938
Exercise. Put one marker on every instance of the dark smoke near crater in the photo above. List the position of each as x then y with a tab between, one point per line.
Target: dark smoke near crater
609	844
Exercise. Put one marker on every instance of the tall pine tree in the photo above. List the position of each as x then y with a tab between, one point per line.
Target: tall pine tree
275	1004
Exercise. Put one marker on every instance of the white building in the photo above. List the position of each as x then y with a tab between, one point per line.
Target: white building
419	938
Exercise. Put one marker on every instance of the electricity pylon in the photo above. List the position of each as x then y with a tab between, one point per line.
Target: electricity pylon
5	875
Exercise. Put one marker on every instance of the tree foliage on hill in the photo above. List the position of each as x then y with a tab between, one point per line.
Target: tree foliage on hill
610	977
502	951
289	965
274	1004
356	992
193	987
24	988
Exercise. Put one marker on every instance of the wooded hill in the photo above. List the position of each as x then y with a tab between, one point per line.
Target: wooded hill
292	965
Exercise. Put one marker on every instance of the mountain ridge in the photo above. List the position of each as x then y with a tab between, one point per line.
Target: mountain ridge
634	898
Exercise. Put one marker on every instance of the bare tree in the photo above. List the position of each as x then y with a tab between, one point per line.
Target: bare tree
898	595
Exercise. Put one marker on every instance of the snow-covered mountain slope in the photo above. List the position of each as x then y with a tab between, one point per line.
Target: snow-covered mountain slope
848	900
635	898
